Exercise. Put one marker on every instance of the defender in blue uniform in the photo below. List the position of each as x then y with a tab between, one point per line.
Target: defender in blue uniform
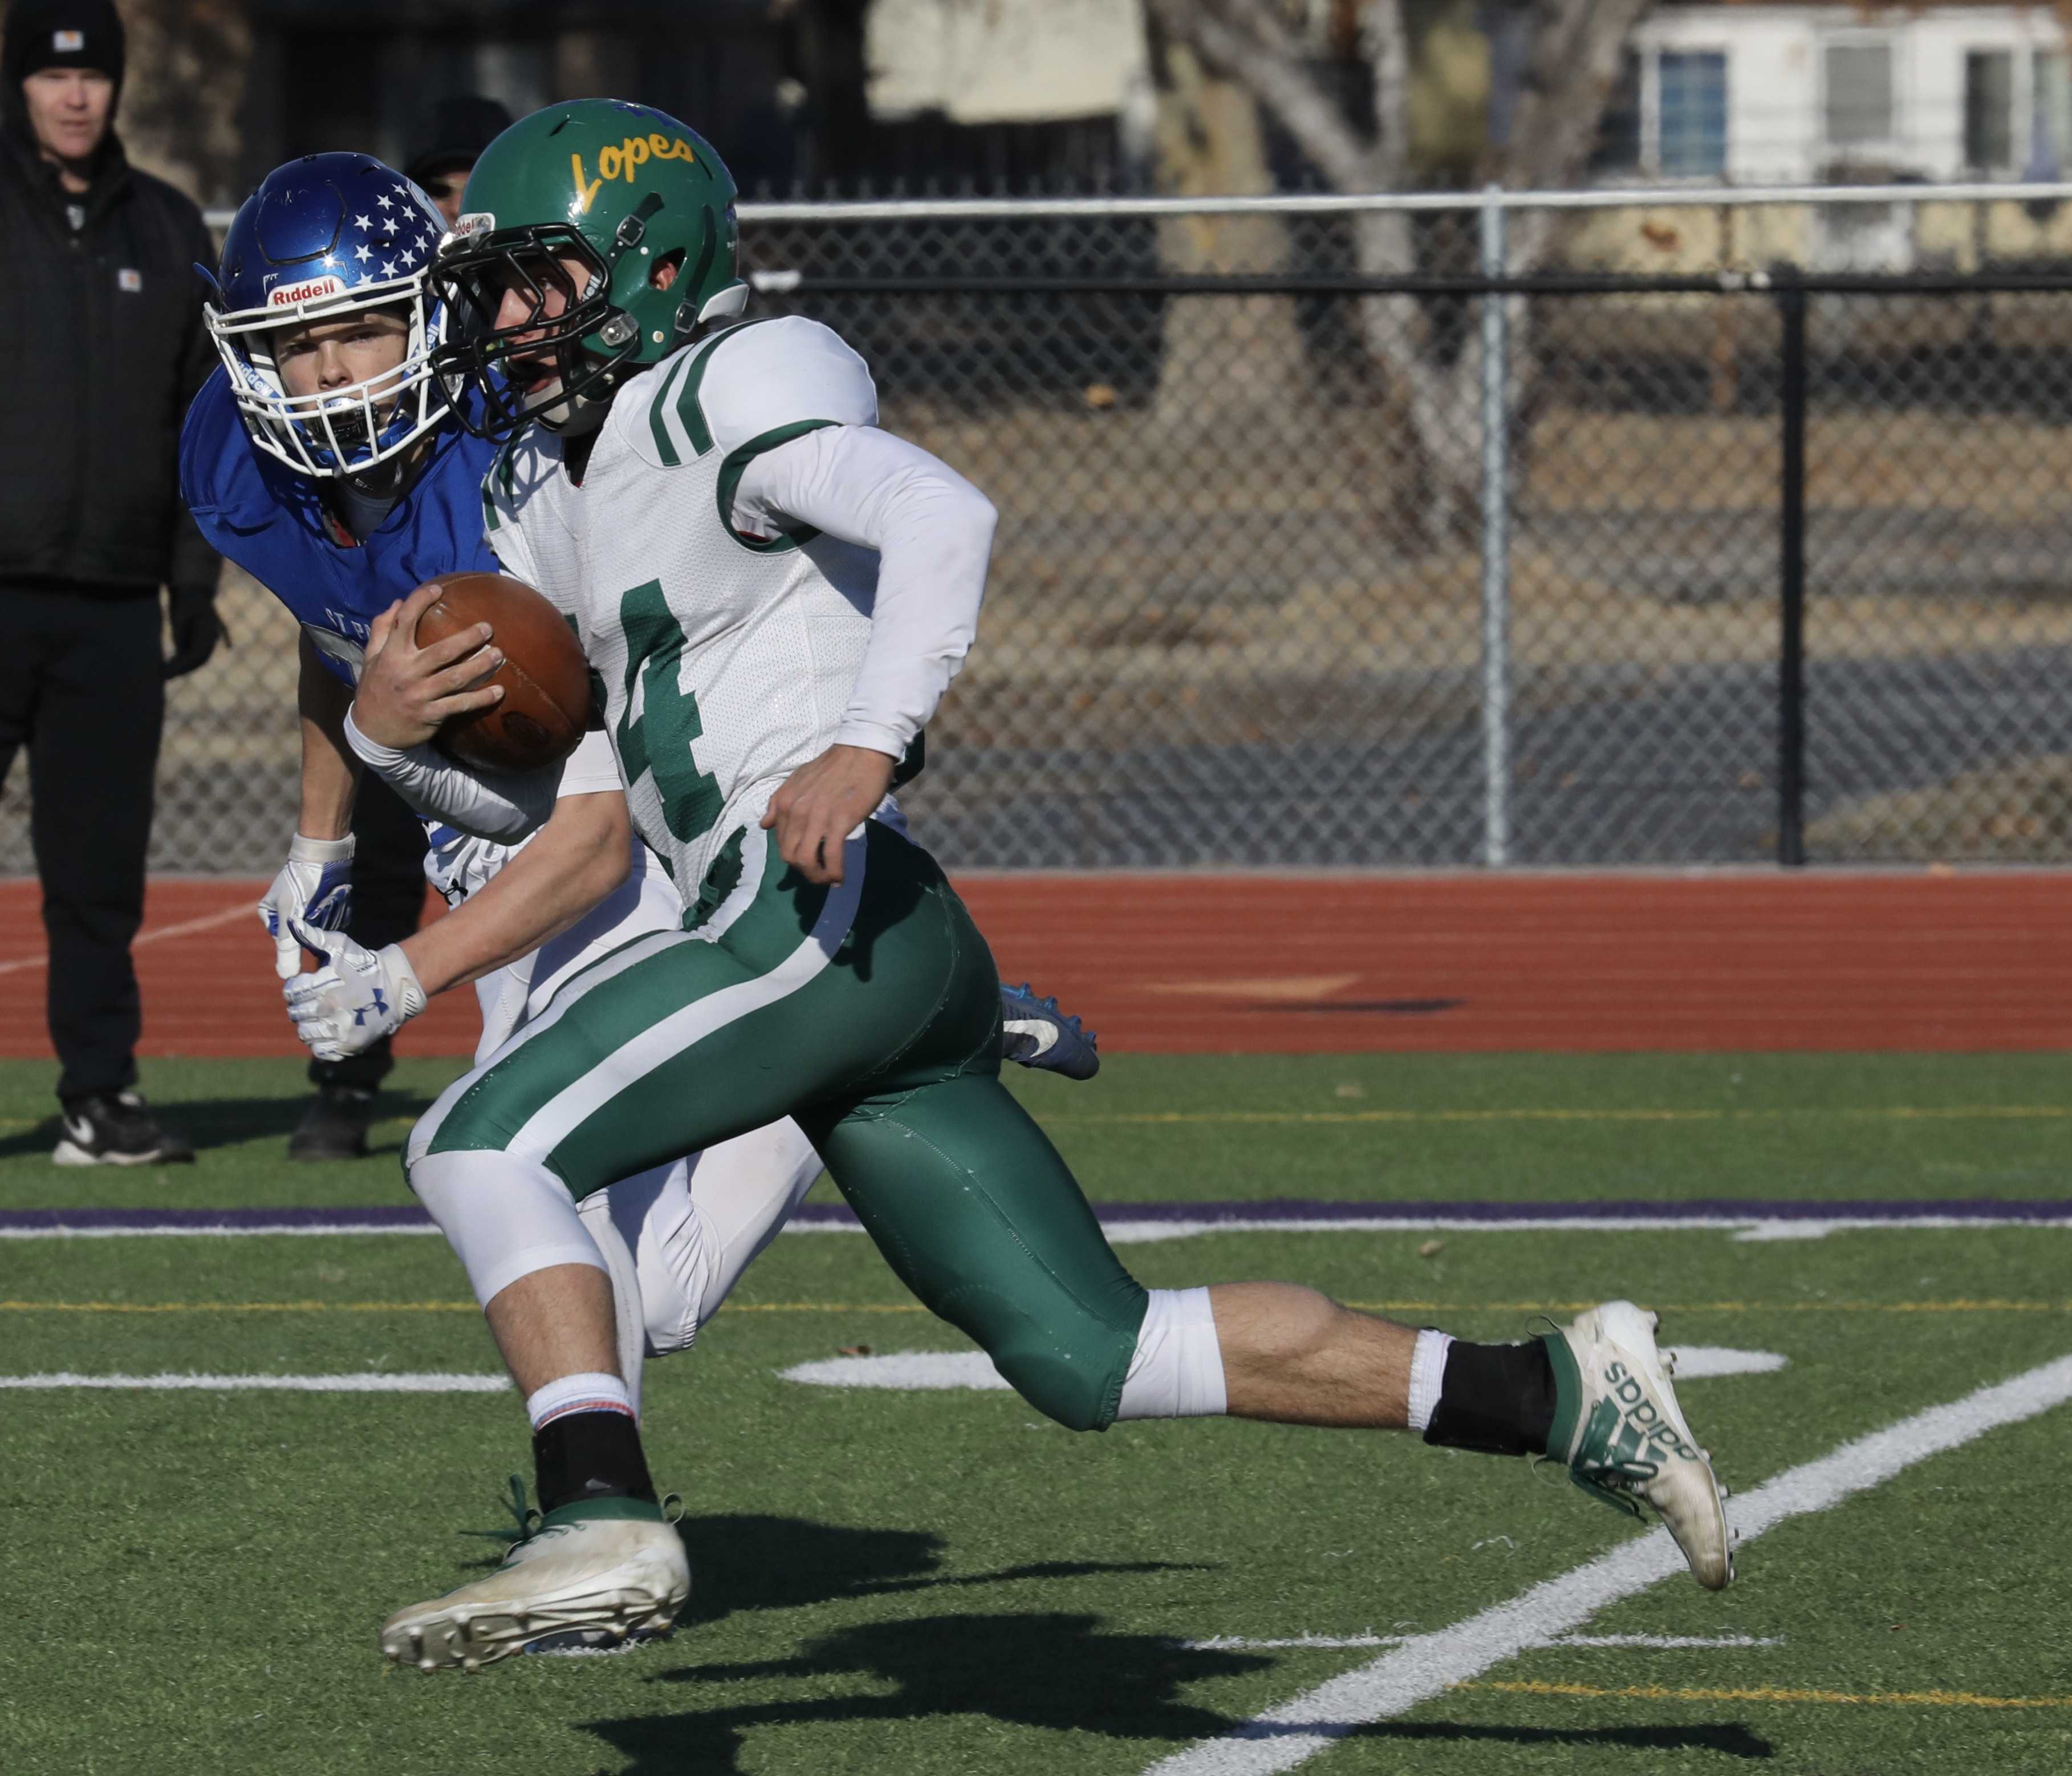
323	459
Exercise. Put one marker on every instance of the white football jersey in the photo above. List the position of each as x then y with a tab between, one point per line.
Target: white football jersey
723	660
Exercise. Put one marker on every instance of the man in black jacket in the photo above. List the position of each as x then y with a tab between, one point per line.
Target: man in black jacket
101	322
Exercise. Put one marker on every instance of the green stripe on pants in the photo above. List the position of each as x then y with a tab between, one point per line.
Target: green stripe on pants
887	1051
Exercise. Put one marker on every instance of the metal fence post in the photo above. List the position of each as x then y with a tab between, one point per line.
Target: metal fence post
1495	543
1791	580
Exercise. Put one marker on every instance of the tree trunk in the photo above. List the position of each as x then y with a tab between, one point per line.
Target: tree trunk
1221	353
1569	77
183	83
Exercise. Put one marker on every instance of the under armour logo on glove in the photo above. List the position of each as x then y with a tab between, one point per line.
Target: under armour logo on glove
359	996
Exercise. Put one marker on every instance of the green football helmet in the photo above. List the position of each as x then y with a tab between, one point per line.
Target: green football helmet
625	214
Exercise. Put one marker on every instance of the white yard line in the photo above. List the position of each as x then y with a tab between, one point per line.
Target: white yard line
367	1383
1740	1227
1221	1643
1672	1641
1216	1644
279	1230
930	1370
1430	1664
1135	1233
208	921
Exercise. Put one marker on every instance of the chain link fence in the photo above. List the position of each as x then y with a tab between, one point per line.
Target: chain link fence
1290	573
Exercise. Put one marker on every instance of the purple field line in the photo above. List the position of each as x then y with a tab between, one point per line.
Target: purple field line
1702	1211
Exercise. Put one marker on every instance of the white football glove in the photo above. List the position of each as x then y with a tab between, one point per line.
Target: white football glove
314	886
359	996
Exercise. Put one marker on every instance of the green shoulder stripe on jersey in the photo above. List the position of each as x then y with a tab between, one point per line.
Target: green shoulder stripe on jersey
657	423
735	465
684	389
689	408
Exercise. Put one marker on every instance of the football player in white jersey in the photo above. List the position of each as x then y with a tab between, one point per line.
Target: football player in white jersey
774	594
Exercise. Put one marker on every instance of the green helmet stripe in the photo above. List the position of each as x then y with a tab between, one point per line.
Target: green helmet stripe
708	250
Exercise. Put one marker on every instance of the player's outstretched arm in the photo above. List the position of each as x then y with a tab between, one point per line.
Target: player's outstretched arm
314	886
406	692
583	853
359	995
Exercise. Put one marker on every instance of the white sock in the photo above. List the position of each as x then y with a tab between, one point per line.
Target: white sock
587	1393
1428	1370
1177	1371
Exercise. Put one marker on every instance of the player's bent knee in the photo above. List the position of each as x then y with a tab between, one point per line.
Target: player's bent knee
1058	1388
1075	1379
504	1217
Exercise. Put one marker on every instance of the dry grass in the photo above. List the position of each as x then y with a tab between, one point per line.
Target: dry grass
1982	468
2015	814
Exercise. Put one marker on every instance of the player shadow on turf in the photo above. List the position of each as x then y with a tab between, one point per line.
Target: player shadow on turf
1054	1672
211	1122
750	1561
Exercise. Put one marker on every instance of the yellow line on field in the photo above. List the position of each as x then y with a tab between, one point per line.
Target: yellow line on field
1722	1307
1883	1113
237	1307
1663	1692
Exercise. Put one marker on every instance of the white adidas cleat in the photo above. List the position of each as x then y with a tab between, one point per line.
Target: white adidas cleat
1618	1428
600	1570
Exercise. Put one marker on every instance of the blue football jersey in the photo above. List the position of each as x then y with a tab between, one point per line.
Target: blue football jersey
271	522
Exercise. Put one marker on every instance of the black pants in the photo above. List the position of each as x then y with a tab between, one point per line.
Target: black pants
82	686
387	901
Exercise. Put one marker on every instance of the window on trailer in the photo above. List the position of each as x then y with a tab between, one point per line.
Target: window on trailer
1989	110
1859	94
1692	113
2050	115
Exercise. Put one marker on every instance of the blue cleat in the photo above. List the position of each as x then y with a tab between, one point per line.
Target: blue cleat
1035	1033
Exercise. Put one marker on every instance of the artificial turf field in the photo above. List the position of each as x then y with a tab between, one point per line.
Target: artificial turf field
936	1581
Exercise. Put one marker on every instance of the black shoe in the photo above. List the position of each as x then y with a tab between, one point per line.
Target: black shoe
117	1128
334	1125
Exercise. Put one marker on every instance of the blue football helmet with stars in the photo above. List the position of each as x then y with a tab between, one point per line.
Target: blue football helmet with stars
322	238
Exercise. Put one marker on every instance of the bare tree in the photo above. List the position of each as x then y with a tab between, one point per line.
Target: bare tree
185	80
1570	72
1211	144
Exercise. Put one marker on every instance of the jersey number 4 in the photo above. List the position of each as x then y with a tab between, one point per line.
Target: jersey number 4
658	738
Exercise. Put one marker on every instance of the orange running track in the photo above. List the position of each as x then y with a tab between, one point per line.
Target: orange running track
1333	963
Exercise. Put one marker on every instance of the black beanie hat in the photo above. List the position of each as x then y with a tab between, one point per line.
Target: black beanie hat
454	135
42	34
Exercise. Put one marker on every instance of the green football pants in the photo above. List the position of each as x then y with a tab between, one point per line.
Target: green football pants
870	1013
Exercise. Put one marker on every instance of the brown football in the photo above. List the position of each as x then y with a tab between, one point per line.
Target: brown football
545	705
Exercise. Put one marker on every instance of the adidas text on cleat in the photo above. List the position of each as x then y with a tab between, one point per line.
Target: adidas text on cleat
1617	1428
602	1569
1035	1033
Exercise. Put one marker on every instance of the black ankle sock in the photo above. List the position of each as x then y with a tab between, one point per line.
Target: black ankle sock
1499	1398
588	1455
